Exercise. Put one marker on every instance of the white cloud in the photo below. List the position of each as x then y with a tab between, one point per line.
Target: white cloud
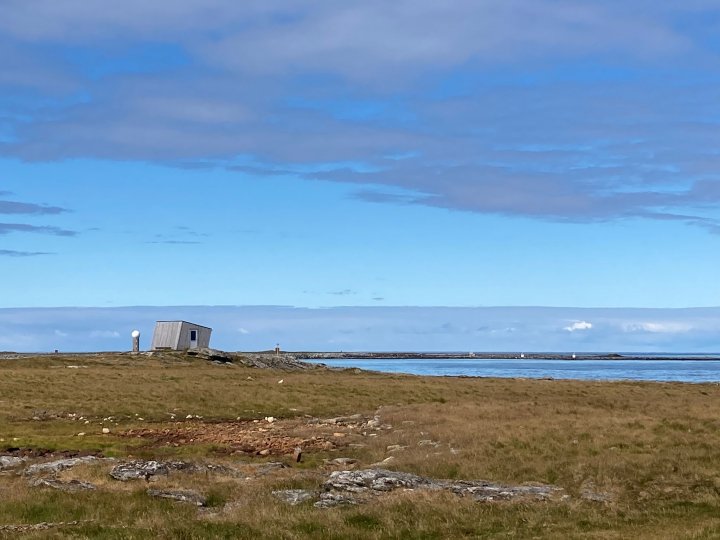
60	333
579	325
243	331
658	327
105	334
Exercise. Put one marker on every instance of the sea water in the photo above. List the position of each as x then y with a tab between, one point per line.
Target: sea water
667	369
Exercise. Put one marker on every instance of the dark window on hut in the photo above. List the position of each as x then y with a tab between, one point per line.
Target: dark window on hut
193	335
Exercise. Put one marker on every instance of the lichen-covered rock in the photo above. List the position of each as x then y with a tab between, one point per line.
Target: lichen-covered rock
11	462
70	486
487	491
186	496
135	470
54	467
376	480
294	497
330	499
145	470
351	484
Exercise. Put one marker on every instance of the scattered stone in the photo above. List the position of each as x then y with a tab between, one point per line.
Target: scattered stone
42	414
293	497
70	486
344	420
286	362
297	454
43	526
106	431
54	467
186	496
267	468
428	442
265	452
341	461
395	448
386	461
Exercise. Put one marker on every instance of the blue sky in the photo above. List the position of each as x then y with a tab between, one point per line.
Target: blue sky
463	154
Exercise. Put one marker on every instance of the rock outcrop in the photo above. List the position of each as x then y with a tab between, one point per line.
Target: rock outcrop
11	462
69	486
54	467
145	470
356	487
283	361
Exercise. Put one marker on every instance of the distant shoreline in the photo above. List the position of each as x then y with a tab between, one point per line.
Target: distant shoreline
496	356
343	355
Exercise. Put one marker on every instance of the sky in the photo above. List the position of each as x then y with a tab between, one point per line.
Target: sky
461	155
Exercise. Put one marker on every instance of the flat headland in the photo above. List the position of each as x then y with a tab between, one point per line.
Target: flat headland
172	445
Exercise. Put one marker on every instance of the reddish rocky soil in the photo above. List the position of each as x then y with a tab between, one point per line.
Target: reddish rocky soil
264	439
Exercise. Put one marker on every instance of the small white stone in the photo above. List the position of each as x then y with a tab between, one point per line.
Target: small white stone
106	431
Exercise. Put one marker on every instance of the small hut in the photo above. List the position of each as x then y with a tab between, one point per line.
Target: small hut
180	336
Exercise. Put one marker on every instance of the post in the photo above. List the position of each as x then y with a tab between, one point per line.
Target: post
135	341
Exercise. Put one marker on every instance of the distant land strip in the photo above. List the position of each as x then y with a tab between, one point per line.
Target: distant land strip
487	356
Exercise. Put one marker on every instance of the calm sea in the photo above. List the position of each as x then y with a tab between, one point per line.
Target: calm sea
669	369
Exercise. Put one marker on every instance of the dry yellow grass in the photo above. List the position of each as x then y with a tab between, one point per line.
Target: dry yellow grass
655	448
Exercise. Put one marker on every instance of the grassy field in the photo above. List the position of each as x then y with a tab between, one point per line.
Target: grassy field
651	449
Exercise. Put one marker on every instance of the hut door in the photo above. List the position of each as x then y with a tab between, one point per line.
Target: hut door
193	339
